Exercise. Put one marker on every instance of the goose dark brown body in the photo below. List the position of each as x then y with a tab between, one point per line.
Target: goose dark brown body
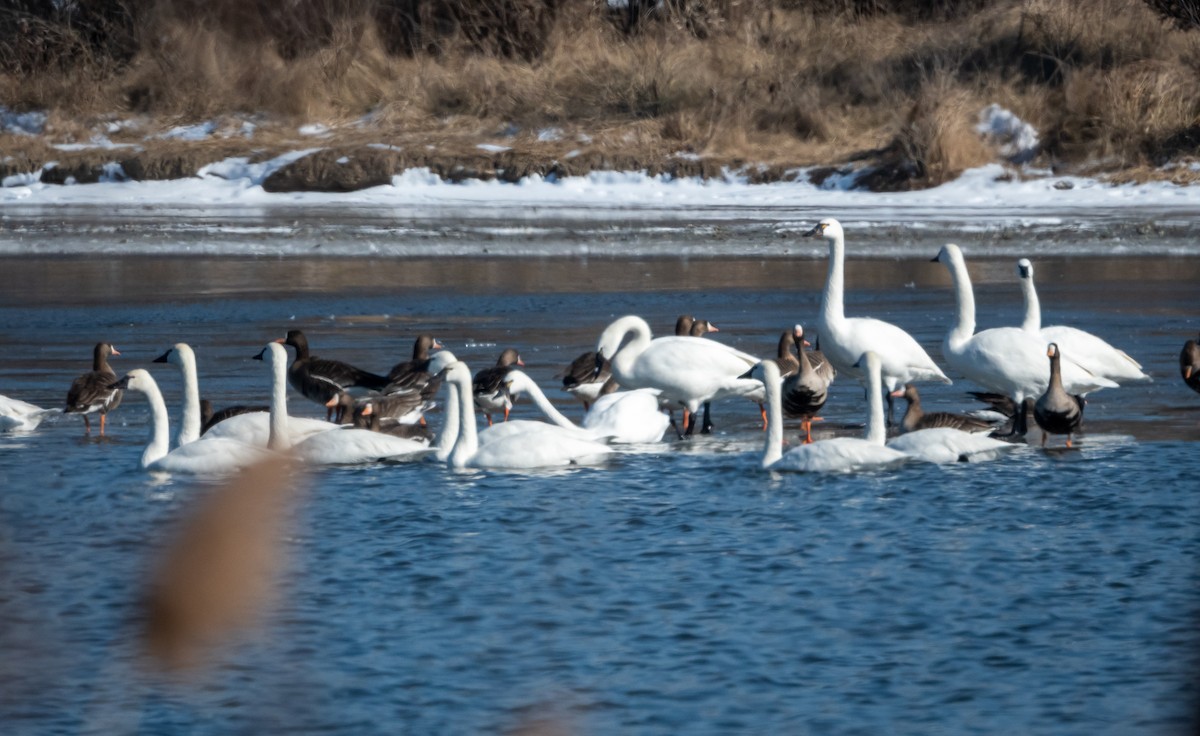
319	379
1057	412
489	390
1189	364
805	392
917	418
94	390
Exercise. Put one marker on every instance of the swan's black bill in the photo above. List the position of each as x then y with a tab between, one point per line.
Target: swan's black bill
599	365
162	358
1023	271
262	355
122	384
817	230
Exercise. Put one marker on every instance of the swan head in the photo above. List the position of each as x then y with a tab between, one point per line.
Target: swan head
440	360
458	371
137	379
1024	269
948	255
829	228
274	352
180	354
517	382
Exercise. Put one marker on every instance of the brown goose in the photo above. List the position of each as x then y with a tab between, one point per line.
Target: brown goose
489	391
407	407
582	380
319	379
917	418
94	391
1057	411
415	372
804	393
365	417
210	419
1189	365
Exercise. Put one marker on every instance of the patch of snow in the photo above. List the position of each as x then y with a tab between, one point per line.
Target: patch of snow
493	148
239	169
314	129
22	123
385	147
197	132
97	141
549	135
1016	139
573	153
113	172
344	160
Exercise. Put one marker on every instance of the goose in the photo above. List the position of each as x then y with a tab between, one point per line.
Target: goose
21	416
839	454
687	370
689	326
365	417
541	447
210	418
1057	411
1085	349
1189	365
338	446
845	339
583	379
805	392
209	457
916	418
407	407
1007	360
254	428
405	373
190	426
93	391
320	379
489	393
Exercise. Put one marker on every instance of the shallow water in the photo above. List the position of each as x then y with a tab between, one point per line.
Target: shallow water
677	589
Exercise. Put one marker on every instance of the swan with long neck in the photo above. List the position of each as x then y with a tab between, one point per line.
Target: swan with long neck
845	339
536	447
688	371
182	355
626	417
1007	360
211	457
1084	348
839	454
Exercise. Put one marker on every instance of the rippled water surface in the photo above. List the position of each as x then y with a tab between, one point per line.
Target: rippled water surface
678	589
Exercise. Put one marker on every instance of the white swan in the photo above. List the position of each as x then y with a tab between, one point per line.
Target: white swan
839	454
339	446
21	416
1084	348
628	416
519	382
688	371
1007	360
845	339
547	446
948	445
255	428
211	457
181	354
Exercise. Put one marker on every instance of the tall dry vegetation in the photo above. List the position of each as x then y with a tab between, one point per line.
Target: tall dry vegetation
1109	83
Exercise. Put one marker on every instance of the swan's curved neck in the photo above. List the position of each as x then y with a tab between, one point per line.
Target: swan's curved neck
189	429
622	359
1033	308
468	438
964	297
876	430
449	434
278	438
773	444
832	309
547	408
160	428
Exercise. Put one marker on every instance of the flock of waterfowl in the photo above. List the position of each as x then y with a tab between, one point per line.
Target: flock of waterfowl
626	383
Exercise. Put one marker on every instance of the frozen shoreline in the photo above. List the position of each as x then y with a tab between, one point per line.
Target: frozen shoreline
226	212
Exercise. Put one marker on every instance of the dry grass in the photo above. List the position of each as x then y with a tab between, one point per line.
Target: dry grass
779	82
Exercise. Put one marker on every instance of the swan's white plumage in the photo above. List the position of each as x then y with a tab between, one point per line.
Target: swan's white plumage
845	339
948	445
688	371
519	382
837	455
211	457
21	416
628	416
1084	348
181	355
1007	360
537	446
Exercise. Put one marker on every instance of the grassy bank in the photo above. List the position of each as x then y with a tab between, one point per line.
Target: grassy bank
1112	86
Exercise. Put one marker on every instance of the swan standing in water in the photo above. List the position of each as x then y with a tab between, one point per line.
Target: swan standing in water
1007	360
210	457
688	371
839	454
1085	349
540	446
844	339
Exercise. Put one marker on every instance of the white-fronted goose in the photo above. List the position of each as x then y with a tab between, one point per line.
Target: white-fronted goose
94	391
1008	360
365	417
805	392
489	391
413	373
1189	364
845	339
1057	411
582	380
916	418
1084	348
320	379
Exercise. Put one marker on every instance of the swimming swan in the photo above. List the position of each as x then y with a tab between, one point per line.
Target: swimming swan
21	416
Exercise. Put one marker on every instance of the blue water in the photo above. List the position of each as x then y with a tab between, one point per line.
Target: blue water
677	590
